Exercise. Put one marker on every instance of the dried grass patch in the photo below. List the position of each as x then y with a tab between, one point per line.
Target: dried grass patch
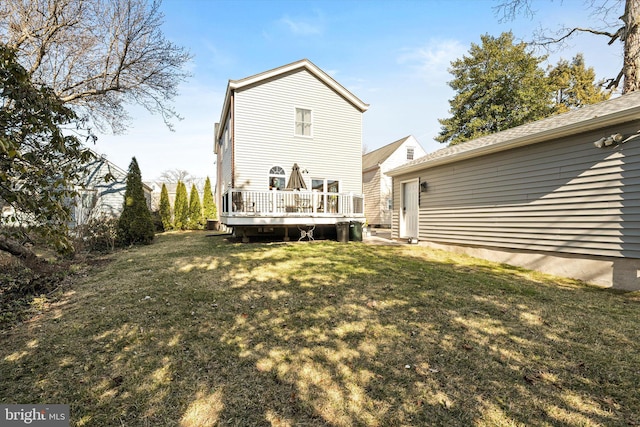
194	330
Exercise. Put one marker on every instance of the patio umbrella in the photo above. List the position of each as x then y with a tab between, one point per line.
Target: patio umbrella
296	182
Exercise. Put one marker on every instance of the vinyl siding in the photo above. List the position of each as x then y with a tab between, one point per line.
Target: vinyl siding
265	135
380	186
373	203
109	196
560	196
399	156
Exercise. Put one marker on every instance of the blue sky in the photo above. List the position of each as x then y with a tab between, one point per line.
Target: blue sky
393	55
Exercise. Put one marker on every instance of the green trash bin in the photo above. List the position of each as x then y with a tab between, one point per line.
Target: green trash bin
342	232
355	231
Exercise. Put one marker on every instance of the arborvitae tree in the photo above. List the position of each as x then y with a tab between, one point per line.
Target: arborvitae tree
574	85
195	210
135	224
500	85
208	205
181	207
165	209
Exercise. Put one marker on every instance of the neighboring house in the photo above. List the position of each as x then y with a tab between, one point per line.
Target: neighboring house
98	197
292	115
560	195
377	185
156	192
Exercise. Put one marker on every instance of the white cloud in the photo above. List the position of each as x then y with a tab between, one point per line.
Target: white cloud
304	26
433	59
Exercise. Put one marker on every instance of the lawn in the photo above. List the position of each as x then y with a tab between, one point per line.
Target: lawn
196	331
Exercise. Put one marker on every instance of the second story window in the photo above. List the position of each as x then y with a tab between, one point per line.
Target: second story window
409	153
303	122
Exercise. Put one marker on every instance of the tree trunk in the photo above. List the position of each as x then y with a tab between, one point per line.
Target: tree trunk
16	249
631	46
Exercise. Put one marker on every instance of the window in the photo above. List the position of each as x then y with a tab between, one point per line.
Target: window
225	136
329	186
317	184
276	178
410	151
303	122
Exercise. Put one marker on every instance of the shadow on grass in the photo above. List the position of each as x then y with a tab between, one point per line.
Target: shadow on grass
195	331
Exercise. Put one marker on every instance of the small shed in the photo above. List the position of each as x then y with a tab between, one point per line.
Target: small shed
559	195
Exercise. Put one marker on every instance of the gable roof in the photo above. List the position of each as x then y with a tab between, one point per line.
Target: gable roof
607	113
303	64
374	158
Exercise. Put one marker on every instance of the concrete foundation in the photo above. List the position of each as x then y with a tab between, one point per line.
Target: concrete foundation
609	272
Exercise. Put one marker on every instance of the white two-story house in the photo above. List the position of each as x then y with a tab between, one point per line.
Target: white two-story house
289	153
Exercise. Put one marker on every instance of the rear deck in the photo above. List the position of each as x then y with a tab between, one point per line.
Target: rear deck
281	211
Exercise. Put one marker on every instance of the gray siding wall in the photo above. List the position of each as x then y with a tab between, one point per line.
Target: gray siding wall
265	133
99	198
559	196
110	194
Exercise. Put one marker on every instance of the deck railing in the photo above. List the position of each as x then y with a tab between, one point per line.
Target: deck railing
236	202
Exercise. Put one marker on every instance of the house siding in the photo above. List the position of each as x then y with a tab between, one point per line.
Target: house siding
378	186
99	198
110	194
264	119
398	158
372	190
562	195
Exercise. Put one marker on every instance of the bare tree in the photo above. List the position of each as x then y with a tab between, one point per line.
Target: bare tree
176	175
97	55
624	29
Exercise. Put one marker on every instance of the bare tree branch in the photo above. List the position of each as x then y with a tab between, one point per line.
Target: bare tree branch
567	33
98	55
628	33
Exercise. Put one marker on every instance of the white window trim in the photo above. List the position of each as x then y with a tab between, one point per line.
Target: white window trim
325	183
283	176
295	121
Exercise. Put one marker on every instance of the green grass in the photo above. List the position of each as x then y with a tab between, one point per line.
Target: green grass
196	331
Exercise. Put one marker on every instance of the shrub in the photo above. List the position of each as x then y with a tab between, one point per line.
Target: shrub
181	208
208	205
158	225
97	234
195	210
135	224
165	209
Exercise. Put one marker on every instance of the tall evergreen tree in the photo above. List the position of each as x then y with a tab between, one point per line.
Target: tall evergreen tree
195	210
165	209
574	85
135	224
208	205
500	85
181	207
